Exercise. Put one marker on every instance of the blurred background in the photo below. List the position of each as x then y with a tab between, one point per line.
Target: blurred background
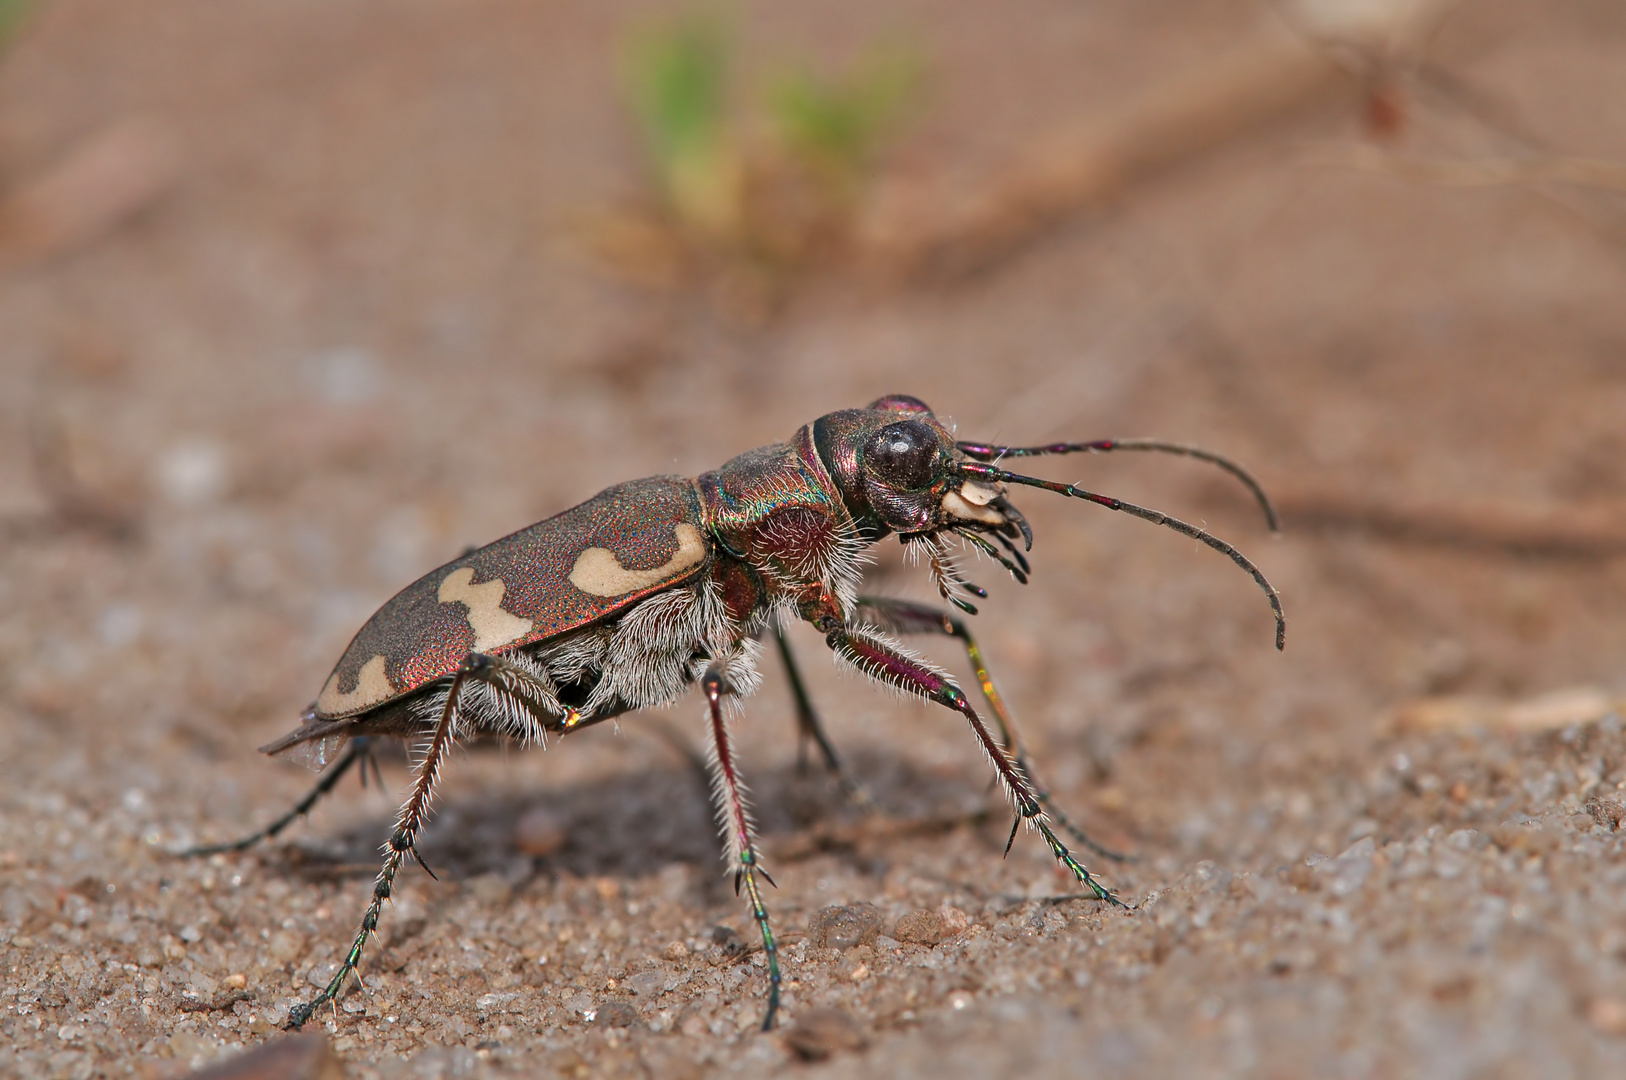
299	300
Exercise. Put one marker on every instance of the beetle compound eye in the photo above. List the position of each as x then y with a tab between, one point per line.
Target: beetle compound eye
902	454
899	403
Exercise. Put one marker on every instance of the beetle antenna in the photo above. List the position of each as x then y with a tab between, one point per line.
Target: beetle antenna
989	453
1156	517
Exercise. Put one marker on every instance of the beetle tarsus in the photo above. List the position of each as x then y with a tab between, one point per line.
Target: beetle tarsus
417	857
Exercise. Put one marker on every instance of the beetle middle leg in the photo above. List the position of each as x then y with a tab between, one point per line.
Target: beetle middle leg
403	840
907	617
520	693
809	729
737	830
878	658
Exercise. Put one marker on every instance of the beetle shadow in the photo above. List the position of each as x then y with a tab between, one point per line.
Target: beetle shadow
634	824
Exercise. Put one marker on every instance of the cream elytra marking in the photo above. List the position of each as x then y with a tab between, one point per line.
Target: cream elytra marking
779	532
372	686
493	627
599	573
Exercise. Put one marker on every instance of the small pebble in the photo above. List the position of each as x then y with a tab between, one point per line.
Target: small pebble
919	928
819	1033
844	926
616	1014
287	1057
541	830
926	927
1607	1015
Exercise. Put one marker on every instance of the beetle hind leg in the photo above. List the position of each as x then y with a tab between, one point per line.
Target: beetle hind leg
358	750
735	818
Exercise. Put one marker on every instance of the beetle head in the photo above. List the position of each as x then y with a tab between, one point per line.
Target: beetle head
897	469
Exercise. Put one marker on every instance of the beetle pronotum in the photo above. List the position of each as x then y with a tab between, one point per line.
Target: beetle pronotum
653	586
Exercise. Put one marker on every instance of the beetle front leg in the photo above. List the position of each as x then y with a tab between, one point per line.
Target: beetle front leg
907	617
885	662
402	841
735	819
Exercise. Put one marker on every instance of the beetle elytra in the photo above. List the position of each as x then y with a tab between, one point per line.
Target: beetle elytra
657	585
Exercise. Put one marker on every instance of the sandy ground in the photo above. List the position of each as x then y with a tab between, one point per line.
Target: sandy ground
356	336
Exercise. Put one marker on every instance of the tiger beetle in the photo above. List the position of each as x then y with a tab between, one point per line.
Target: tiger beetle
651	586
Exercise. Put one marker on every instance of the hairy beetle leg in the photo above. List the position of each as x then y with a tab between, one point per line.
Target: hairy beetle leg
735	818
906	617
402	841
878	659
356	751
533	699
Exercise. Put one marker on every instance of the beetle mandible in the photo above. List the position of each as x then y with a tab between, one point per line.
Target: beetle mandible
652	586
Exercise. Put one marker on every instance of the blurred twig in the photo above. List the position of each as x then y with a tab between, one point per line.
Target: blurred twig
72	506
1596	532
101	183
1462	712
1322	50
1485	172
938	233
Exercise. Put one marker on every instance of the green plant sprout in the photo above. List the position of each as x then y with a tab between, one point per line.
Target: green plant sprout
772	176
677	78
13	13
835	126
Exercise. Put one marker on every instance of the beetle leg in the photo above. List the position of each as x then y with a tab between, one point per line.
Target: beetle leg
885	662
356	751
402	841
809	728
735	818
536	701
904	617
